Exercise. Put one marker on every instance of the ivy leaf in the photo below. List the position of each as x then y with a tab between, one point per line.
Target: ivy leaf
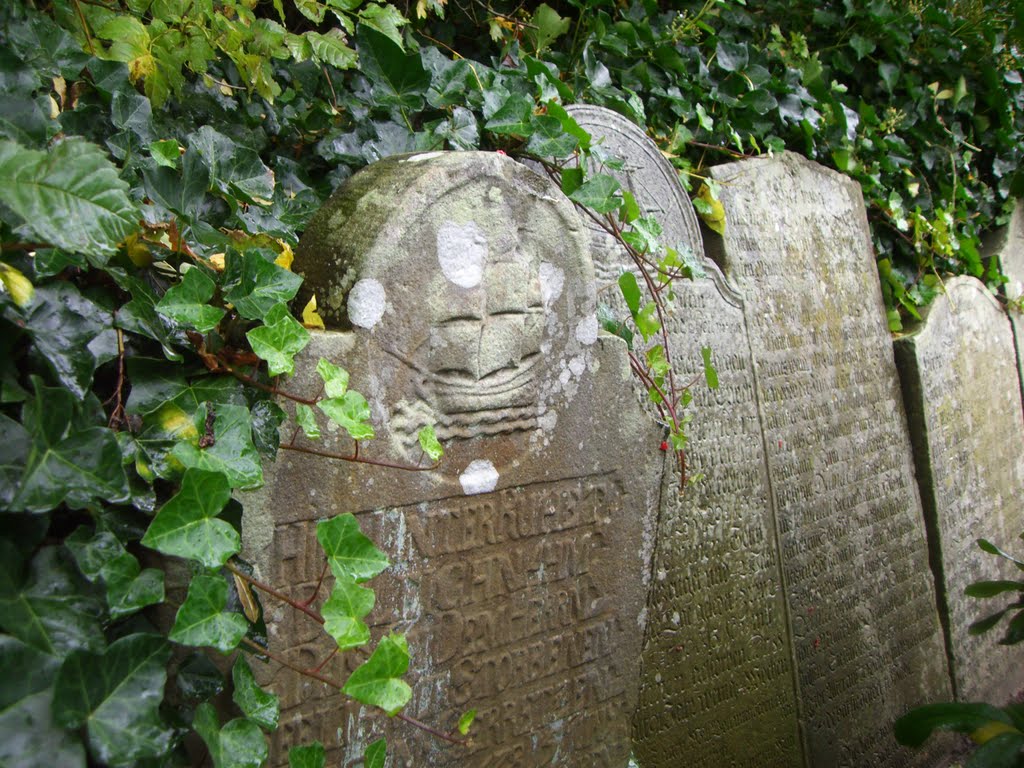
732	57
332	48
257	704
599	192
239	744
335	378
69	460
71	196
513	117
351	412
278	340
140	316
549	139
187	525
384	18
232	452
429	443
309	756
102	556
343	613
377	681
647	321
72	333
117	695
466	721
53	608
398	79
261	284
376	754
14	447
351	556
235	170
630	292
165	152
311	9
306	419
710	373
202	621
28	736
186	303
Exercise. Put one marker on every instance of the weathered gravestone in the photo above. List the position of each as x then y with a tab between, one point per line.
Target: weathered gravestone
1008	246
963	403
717	684
520	563
855	565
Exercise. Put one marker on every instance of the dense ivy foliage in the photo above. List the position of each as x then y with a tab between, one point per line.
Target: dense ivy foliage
158	161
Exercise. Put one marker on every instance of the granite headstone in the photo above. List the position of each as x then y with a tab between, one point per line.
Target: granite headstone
866	633
466	282
962	393
717	684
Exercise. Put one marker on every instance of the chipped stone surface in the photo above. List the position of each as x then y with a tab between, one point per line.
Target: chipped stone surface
519	564
962	392
866	634
717	684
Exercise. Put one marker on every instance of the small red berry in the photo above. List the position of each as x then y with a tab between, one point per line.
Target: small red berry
501	152
664	445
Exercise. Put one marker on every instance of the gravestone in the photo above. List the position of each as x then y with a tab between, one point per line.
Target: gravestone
520	563
963	402
717	684
866	634
1008	246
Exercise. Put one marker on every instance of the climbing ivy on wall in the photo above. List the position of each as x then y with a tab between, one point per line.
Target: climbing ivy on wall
158	161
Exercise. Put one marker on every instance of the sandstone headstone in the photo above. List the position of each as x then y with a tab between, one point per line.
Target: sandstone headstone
520	563
963	403
717	684
1008	245
855	565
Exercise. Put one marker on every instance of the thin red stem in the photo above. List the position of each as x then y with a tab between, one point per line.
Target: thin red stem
433	732
359	460
285	663
319	583
274	593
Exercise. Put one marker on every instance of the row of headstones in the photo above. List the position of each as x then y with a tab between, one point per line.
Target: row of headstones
782	612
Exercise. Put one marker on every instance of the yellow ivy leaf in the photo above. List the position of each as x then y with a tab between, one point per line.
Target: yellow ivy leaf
217	261
175	421
16	284
713	213
137	250
141	67
286	257
310	318
990	730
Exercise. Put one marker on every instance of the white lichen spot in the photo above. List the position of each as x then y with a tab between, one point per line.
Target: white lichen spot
577	365
552	280
461	252
586	330
675	618
548	421
662	575
494	195
422	156
479	477
366	303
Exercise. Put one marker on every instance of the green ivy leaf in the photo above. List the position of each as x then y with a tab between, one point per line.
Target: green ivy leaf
239	744
377	681
278	340
549	139
630	292
351	412
232	452
384	18
72	333
14	448
914	728
52	609
332	48
306	419
28	736
335	379
398	79
657	361
350	554
117	696
513	117
261	284
548	26
993	588
165	152
256	704
71	196
187	525
466	721
343	613
599	192
429	443
140	316
235	170
309	756
376	754
732	57
647	321
101	555
710	373
202	621
311	9
186	303
992	549
69	461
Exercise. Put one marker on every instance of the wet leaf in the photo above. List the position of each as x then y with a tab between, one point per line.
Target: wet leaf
239	744
377	681
466	721
429	443
599	192
187	525
186	303
116	695
376	754
334	377
344	611
278	340
309	756
232	453
256	704
259	284
350	554
235	170
351	412
306	419
101	556
398	79
202	620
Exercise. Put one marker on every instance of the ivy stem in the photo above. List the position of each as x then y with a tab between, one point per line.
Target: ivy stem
245	379
285	663
357	459
274	593
85	27
432	731
319	583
